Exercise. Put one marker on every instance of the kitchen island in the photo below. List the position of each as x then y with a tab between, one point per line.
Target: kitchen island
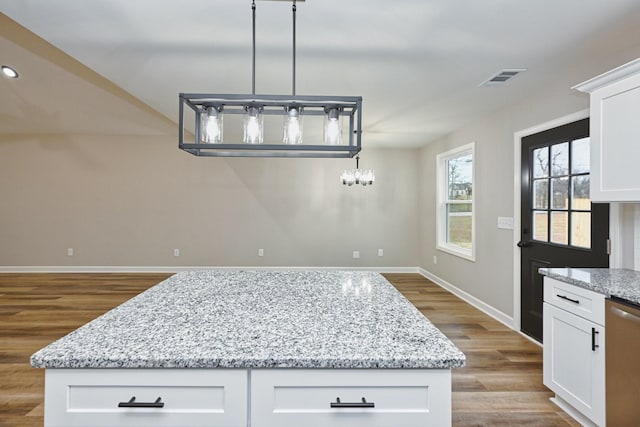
254	348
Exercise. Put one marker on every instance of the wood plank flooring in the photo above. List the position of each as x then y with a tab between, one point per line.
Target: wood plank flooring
500	386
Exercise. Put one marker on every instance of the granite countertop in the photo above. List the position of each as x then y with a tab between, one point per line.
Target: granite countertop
616	282
259	319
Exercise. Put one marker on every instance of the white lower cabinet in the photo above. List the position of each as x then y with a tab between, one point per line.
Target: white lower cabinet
350	398
247	397
187	397
574	350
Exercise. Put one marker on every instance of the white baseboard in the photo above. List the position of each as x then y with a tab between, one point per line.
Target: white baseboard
470	299
176	269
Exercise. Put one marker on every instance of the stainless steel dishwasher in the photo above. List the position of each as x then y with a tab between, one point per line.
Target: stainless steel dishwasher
622	351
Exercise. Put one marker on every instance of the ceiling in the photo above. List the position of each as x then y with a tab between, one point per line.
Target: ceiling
417	64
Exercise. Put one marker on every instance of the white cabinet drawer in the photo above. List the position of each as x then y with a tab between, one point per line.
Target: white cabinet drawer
92	397
574	299
394	397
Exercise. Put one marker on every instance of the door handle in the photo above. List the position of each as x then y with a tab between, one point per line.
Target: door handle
524	244
593	339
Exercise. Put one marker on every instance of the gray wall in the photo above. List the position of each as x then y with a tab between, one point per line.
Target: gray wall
491	277
132	200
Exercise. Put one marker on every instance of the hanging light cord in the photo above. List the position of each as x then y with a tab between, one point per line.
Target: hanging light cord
253	73
294	9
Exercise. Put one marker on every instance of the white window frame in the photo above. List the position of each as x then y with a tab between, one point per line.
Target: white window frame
443	201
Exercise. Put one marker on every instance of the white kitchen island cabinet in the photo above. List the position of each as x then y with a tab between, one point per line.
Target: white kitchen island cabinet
254	348
615	134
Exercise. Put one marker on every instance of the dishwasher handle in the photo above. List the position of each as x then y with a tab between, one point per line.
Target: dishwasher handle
624	314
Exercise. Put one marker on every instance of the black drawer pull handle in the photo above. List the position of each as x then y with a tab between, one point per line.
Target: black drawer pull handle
133	404
564	297
593	339
363	404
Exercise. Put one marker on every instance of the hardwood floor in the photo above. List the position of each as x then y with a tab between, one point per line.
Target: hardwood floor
36	309
500	386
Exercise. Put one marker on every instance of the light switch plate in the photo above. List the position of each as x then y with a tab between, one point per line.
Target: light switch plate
505	223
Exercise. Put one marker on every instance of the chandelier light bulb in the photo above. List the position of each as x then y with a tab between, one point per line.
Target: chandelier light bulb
253	124
293	126
212	126
333	127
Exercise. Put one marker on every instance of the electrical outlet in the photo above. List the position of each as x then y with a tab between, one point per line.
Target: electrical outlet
380	252
356	254
260	252
69	251
435	259
176	252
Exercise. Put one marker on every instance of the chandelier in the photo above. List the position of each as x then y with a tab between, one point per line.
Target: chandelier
334	115
357	176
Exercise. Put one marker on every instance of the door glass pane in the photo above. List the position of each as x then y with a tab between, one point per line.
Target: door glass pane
580	157
459	224
560	193
540	226
580	192
560	159
560	227
541	162
541	194
581	229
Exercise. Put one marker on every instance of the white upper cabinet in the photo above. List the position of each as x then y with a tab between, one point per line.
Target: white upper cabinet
615	134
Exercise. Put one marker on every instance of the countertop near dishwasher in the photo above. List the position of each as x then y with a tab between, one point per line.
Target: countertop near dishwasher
621	283
259	319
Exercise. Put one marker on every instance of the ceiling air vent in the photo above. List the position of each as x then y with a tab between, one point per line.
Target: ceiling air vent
503	76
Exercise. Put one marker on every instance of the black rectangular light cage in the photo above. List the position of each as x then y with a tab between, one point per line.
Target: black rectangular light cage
349	107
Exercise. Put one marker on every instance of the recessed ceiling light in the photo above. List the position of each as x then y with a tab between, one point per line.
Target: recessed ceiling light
9	72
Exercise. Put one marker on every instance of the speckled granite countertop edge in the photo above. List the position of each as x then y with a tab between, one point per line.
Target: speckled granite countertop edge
616	282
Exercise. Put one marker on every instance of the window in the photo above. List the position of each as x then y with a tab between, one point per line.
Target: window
455	218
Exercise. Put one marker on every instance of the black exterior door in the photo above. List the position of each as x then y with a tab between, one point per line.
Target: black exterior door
560	225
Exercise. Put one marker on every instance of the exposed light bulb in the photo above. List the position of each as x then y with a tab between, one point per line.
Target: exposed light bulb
293	126
211	127
253	123
332	127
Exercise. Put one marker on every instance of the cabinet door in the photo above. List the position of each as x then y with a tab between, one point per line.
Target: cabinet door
574	361
615	132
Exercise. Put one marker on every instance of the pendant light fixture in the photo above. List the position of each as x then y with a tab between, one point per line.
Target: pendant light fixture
329	112
357	176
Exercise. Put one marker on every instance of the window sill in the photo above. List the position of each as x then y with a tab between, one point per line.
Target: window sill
461	253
